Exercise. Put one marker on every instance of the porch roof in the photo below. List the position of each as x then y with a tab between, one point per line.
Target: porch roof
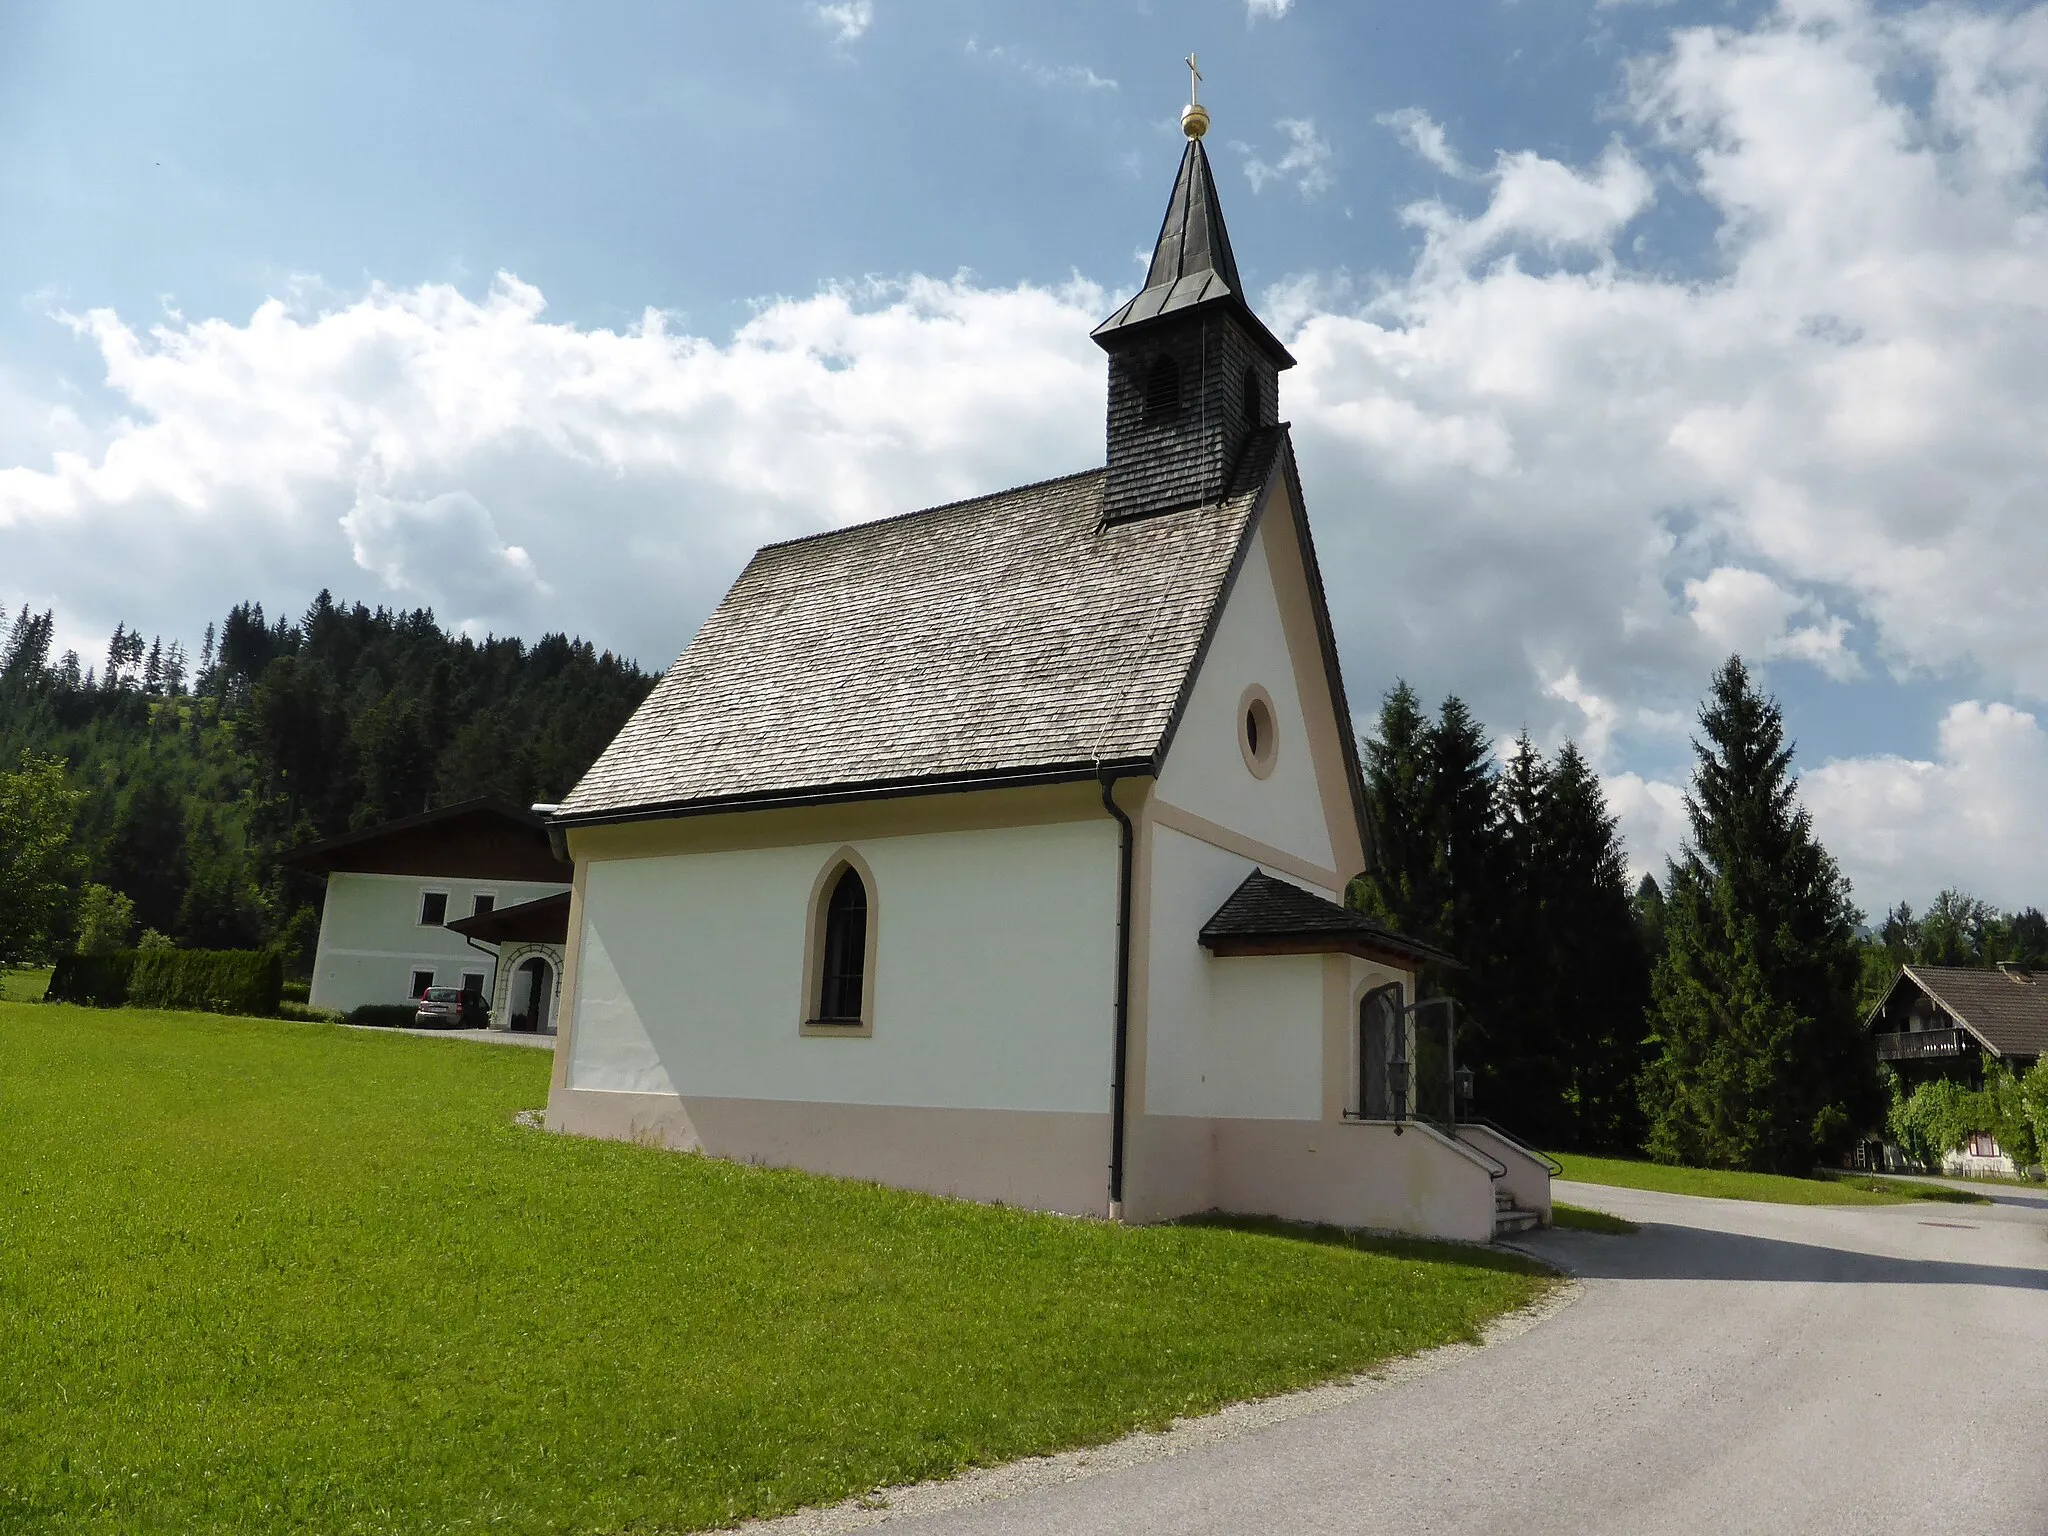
542	921
1268	916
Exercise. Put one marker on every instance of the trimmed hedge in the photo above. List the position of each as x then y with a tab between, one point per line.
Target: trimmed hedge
98	981
249	981
394	1015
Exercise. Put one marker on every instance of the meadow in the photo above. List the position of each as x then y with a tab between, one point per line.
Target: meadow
266	1276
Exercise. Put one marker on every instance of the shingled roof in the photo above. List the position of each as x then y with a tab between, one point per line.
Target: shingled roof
2007	1011
1008	639
1266	916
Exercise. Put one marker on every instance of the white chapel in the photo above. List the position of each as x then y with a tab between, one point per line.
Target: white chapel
999	849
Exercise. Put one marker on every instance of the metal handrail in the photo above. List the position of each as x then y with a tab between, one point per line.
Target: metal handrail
1556	1168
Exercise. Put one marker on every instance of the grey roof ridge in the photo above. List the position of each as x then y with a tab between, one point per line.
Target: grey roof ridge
1216	602
943	506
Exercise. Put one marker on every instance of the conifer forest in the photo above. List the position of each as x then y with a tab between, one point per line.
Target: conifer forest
187	770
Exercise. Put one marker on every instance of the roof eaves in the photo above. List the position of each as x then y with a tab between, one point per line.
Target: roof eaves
1072	772
343	840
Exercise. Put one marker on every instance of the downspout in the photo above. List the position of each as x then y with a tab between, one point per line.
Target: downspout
494	951
1119	1072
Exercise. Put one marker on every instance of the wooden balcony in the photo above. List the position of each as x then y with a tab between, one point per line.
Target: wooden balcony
1921	1044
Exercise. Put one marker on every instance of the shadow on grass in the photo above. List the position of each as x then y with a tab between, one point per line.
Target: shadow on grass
1467	1255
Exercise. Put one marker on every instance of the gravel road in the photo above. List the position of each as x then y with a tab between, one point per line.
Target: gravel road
1732	1368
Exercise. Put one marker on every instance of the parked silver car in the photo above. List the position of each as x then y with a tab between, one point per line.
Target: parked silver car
451	1008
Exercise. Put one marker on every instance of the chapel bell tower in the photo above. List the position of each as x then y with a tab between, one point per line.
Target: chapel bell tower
1193	373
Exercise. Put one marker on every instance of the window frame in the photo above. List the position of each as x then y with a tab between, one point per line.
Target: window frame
419	991
481	896
1260	761
809	1024
428	894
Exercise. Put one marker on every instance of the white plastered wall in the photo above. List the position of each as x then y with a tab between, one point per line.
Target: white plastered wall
371	938
995	973
1238	1036
1205	771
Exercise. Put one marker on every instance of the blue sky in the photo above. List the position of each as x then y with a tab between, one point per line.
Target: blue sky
1631	333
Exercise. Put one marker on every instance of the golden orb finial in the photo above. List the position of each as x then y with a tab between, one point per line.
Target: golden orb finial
1194	117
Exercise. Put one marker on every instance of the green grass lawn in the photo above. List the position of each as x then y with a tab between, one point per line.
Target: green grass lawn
25	986
262	1276
1776	1188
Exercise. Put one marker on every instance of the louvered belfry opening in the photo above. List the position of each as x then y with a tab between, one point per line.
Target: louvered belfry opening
1193	373
1162	391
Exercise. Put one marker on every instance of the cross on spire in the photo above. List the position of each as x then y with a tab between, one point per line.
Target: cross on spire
1194	117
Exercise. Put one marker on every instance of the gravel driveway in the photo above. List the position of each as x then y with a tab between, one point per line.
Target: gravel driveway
1733	1367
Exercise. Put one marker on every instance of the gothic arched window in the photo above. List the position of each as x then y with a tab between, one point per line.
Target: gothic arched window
1162	391
843	973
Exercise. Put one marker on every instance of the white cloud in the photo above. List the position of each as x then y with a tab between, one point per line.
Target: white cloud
1746	611
1267	10
1903	829
1651	813
848	20
515	472
1426	137
1553	478
1049	76
1306	162
1539	206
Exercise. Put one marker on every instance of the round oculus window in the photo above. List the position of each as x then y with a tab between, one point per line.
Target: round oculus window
1257	735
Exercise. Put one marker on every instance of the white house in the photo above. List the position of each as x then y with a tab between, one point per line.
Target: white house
999	849
393	892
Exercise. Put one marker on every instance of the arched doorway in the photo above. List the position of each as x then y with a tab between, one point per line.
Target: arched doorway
533	993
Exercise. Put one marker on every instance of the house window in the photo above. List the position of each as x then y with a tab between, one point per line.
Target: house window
421	980
1162	391
485	902
1983	1144
1254	398
1258	733
433	909
844	977
473	983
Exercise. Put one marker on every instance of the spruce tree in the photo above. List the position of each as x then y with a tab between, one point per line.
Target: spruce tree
1759	1060
1597	969
1396	763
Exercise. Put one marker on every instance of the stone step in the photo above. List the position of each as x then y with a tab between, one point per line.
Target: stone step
1503	1201
1509	1222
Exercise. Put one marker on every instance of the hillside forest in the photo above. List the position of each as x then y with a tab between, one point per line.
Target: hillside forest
188	772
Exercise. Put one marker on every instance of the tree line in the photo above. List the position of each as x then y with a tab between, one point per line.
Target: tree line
177	776
1715	1018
